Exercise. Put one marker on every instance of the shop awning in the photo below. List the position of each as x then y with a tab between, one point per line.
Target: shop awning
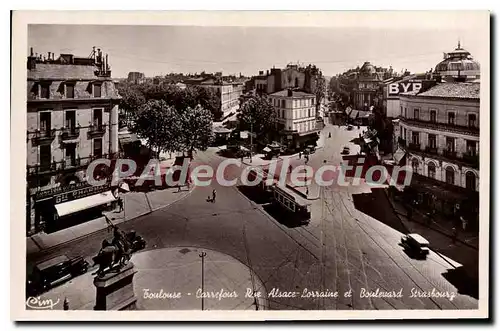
75	206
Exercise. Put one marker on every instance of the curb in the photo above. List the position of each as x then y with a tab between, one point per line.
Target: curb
398	214
47	249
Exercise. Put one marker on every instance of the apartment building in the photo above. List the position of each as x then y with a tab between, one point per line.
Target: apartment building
440	129
296	113
72	119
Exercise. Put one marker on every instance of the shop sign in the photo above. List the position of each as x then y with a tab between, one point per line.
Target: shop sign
395	88
61	190
81	193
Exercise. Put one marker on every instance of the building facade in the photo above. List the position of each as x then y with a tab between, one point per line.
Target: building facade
296	114
72	119
439	128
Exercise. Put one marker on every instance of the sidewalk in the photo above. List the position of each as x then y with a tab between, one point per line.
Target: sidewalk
176	270
136	204
437	224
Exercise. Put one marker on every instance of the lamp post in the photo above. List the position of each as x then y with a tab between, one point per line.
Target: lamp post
202	255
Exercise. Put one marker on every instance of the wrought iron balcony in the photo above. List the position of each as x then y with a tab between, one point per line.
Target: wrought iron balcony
70	133
414	147
431	150
41	169
44	135
71	163
472	159
450	154
471	130
96	129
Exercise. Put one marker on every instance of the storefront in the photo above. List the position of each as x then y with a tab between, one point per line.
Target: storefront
63	207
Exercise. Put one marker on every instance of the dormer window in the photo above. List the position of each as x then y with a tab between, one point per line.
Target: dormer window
45	90
70	90
97	90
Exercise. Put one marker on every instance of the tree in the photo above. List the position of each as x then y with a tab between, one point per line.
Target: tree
196	129
320	90
258	114
159	124
132	99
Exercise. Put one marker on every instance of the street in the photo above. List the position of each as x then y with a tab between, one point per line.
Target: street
342	249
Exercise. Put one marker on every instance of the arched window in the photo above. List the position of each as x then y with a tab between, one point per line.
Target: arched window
296	82
414	165
431	170
450	175
470	181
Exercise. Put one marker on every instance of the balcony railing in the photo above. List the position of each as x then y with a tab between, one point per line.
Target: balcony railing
41	169
472	159
450	154
414	146
441	126
70	132
97	129
431	150
44	135
71	163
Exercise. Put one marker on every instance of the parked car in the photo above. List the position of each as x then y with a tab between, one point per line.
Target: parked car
53	272
136	242
416	244
349	127
346	150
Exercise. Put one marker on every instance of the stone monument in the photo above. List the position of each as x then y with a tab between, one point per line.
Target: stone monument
114	280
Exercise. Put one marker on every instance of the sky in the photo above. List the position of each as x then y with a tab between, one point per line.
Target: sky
159	50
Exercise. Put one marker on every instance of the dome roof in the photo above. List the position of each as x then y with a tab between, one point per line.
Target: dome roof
367	68
457	60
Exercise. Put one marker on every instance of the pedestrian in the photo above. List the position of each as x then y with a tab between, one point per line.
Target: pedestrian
120	204
178	188
300	154
454	234
214	195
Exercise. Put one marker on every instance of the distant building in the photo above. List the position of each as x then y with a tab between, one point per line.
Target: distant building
136	77
296	114
72	119
458	65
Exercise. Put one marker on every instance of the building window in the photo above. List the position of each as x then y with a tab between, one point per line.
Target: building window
70	122
282	103
45	156
45	90
406	114
450	144
471	147
432	141
415	138
98	147
401	110
45	121
472	121
310	112
97	90
282	113
416	114
70	154
451	118
470	181
450	175
70	91
97	121
431	170
296	82
414	165
433	116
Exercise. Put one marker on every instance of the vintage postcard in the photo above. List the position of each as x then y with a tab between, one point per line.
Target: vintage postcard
250	165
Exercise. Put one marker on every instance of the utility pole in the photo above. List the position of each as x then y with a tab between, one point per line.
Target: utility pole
202	255
251	140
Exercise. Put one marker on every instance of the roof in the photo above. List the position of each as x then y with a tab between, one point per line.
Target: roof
53	71
54	261
450	90
295	94
418	238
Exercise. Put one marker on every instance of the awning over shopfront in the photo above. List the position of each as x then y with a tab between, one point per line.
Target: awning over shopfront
71	207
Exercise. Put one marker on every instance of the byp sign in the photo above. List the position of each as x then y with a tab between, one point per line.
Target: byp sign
394	89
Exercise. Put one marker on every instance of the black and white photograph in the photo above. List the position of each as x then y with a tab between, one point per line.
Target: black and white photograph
251	163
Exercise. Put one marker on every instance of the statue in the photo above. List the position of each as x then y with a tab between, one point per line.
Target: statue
113	255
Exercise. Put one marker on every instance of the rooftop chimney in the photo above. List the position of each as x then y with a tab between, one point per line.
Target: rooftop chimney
49	58
31	51
290	93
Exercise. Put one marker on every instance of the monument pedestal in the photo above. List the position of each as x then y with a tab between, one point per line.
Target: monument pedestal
115	290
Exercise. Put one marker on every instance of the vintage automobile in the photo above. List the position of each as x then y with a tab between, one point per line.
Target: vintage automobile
346	150
349	127
53	272
136	242
416	244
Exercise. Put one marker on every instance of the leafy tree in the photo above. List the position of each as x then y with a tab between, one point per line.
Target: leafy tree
159	124
320	90
258	114
195	132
